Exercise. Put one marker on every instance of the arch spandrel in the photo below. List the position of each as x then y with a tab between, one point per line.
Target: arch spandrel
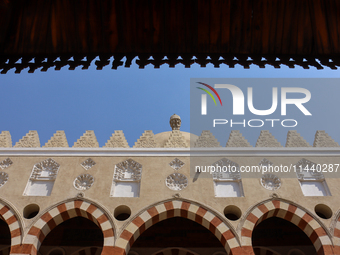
63	211
293	213
177	208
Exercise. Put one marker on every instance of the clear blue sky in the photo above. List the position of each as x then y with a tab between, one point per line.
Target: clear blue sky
134	100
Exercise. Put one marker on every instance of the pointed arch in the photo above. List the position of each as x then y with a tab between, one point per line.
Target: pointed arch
177	208
292	213
10	215
61	212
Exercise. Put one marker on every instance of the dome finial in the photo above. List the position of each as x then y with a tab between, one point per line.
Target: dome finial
175	122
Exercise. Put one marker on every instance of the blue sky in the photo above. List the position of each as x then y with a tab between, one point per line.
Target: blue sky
134	100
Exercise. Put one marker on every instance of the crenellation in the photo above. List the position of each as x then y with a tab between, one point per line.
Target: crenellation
294	139
57	140
236	139
5	139
171	139
88	140
147	140
206	140
30	140
322	139
126	190
266	139
117	140
176	140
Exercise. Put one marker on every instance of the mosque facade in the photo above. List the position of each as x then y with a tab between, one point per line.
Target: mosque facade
163	197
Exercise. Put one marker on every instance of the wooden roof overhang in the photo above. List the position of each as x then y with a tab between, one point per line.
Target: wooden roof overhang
41	34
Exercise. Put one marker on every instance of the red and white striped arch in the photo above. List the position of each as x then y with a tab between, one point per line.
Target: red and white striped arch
10	217
176	208
291	213
62	212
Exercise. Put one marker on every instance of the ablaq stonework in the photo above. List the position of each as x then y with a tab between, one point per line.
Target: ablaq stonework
57	200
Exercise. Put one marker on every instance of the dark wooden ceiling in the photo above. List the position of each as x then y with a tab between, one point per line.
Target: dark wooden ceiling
40	34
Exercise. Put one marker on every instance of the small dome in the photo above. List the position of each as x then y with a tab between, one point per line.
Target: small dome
163	137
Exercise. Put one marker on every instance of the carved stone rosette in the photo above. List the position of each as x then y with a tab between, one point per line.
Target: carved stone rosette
83	182
87	164
270	182
176	181
6	163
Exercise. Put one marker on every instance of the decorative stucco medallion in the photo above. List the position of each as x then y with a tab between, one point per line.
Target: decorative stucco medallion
87	164
176	181
3	178
176	164
6	163
83	182
270	182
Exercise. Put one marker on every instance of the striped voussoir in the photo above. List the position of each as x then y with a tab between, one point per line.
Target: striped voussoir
63	212
12	221
291	213
175	208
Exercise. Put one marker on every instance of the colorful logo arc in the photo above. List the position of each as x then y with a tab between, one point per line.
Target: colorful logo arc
209	93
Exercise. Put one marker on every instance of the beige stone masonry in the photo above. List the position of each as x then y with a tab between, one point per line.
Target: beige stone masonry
117	140
207	140
30	140
176	140
57	140
322	139
236	139
266	139
147	140
294	139
5	139
88	140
